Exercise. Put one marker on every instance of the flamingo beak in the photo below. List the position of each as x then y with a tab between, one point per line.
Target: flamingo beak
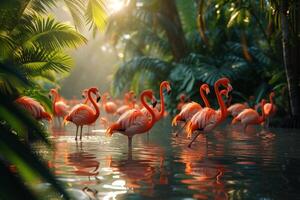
154	103
83	96
169	91
49	95
229	87
98	98
207	91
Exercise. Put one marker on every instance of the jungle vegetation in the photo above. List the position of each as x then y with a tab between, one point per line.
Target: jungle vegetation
254	43
188	42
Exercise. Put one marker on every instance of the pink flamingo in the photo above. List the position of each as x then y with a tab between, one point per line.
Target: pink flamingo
190	109
270	108
33	107
250	116
110	107
128	103
60	108
159	113
207	119
134	121
236	109
82	114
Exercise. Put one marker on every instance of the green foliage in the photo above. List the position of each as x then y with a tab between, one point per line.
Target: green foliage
16	124
237	46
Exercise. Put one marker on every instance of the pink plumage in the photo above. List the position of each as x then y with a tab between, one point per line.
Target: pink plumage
33	107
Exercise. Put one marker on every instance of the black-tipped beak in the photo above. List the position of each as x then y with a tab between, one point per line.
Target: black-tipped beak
154	104
169	92
98	99
83	96
49	95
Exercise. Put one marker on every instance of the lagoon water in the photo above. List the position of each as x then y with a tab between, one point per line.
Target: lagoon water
226	164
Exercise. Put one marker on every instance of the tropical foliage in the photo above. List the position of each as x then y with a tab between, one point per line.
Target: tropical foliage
219	38
33	51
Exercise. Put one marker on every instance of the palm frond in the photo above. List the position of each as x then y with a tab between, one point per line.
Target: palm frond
188	15
36	61
47	33
6	44
133	67
96	15
41	6
12	78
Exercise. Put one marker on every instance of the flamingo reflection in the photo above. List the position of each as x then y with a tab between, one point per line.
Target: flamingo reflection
83	163
203	174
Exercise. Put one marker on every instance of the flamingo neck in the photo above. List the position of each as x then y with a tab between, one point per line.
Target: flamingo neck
151	122
271	98
104	99
162	100
56	97
203	96
86	100
94	104
220	101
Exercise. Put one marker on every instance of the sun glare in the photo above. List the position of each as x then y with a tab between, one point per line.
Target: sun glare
115	5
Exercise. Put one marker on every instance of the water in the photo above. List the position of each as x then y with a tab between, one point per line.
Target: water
227	164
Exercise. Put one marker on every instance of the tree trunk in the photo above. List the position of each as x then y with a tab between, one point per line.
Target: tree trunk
174	32
290	57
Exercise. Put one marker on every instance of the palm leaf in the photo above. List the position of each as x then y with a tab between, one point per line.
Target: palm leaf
96	14
45	32
6	44
34	62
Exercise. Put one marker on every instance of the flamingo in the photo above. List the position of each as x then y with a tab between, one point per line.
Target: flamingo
270	108
134	121
60	108
160	114
236	109
33	107
207	119
190	109
109	106
128	101
250	116
82	114
182	102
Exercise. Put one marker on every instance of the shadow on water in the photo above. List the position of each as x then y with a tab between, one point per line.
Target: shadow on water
226	164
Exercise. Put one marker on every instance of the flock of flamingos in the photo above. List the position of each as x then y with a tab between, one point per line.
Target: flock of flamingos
135	118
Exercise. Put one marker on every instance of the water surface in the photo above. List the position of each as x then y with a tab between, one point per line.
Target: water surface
226	164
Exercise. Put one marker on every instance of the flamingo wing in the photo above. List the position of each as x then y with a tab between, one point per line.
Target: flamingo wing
268	109
248	116
32	106
81	114
133	121
61	108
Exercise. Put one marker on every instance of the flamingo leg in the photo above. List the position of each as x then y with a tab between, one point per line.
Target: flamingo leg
245	127
76	132
190	144
179	131
81	132
129	145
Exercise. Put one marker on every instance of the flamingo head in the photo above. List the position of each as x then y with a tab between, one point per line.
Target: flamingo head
225	83
182	97
205	87
84	93
167	85
52	92
153	101
95	91
272	94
